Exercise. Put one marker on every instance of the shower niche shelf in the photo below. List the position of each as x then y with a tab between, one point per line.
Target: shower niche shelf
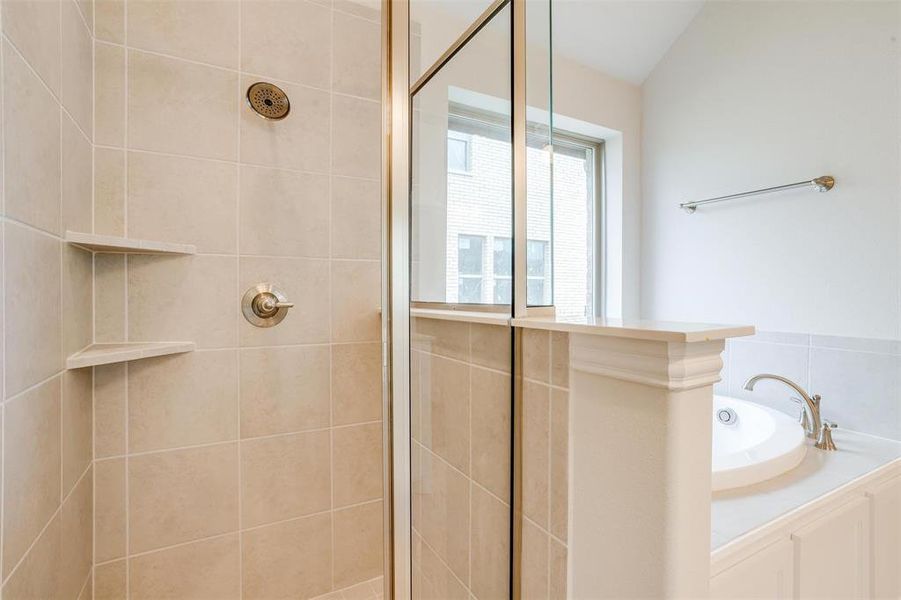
121	245
106	354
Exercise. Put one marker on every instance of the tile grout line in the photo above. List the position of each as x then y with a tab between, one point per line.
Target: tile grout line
258	166
331	337
241	71
270	436
230	533
125	374
237	317
3	232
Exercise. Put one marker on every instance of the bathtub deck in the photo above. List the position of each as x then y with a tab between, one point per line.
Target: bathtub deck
736	512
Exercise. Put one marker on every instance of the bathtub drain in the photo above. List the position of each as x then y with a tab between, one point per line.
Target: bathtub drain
727	416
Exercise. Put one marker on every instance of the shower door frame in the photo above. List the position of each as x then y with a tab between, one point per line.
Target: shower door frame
397	93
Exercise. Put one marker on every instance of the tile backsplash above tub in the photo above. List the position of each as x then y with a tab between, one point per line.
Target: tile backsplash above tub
859	379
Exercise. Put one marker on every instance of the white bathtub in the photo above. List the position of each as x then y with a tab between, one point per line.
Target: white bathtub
760	443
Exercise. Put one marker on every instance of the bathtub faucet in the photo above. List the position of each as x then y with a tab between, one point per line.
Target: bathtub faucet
813	423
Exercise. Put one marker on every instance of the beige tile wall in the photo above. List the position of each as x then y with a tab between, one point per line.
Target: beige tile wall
47	480
545	463
461	427
460	393
250	468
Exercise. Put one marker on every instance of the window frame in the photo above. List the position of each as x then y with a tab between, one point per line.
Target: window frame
465	121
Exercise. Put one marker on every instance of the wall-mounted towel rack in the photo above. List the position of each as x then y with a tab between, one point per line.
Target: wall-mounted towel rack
824	183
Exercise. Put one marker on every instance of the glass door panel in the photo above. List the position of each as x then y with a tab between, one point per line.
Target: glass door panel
460	371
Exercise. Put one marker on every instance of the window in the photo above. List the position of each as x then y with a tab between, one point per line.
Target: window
563	212
503	270
469	268
458	153
537	273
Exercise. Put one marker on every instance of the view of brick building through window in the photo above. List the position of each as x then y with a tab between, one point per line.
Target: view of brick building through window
561	242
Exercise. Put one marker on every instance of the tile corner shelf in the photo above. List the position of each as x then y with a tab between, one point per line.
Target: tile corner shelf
111	243
105	354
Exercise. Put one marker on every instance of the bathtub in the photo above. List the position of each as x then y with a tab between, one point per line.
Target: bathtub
752	443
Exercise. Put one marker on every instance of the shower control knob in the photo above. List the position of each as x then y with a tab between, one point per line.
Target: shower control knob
264	306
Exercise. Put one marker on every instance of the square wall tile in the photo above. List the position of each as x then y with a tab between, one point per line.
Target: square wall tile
536	354
205	569
358	544
535	457
305	283
39	575
183	200
77	543
33	260
534	583
490	552
110	388
287	40
31	474
356	383
557	570
356	218
491	431
357	458
357	56
288	560
109	297
356	296
182	495
110	578
77	298
432	578
365	9
444	525
201	30
183	400
560	358
860	390
34	27
191	298
181	108
284	390
446	399
32	134
109	20
300	141
357	142
77	425
444	338
559	478
491	346
284	213
77	170
109	93
77	73
109	191
109	509
285	476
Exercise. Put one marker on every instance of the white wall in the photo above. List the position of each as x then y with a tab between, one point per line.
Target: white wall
755	94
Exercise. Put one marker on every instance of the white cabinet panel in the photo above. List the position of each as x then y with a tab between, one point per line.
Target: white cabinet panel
886	532
766	574
832	554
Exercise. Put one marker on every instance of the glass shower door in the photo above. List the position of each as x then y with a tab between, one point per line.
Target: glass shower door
460	341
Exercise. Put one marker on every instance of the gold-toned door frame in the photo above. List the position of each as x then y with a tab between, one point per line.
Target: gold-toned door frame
397	91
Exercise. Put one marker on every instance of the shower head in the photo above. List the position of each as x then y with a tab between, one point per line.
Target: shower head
268	101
